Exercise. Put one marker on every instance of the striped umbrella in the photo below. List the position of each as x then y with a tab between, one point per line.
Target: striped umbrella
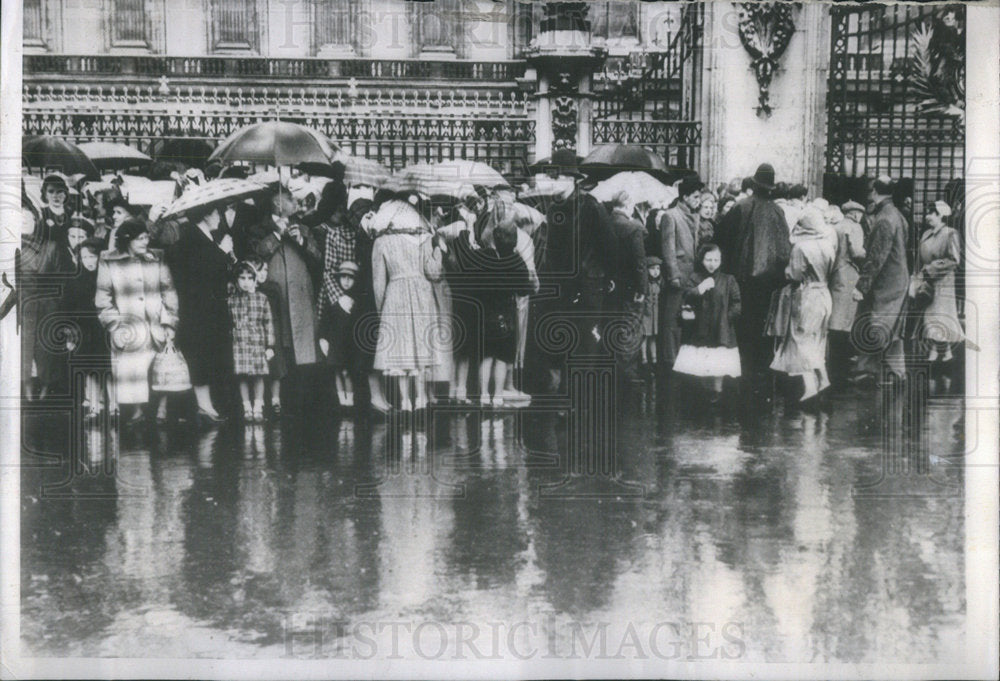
359	170
113	155
454	179
214	193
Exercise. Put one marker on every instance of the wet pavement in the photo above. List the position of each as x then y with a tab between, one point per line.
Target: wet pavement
759	538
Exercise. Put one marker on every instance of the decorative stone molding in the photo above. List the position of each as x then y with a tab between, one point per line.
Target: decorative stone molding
765	30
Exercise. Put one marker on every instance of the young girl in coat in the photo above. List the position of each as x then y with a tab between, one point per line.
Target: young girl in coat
651	312
277	369
253	339
710	350
336	333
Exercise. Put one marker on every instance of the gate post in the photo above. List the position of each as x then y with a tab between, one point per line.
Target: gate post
736	135
565	59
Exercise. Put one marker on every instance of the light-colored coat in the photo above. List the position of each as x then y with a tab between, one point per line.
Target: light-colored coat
884	276
402	269
288	266
938	256
850	253
678	239
135	301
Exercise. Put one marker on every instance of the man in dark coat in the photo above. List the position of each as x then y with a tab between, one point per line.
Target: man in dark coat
631	284
574	257
882	286
678	241
753	237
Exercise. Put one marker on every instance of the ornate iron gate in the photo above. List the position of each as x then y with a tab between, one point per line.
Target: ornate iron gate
652	99
896	101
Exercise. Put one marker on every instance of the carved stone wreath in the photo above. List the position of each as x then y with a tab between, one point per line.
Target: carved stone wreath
565	112
765	29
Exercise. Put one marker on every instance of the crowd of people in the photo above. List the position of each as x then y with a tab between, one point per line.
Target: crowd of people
395	301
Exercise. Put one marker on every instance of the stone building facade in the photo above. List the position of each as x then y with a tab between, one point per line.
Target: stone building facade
716	87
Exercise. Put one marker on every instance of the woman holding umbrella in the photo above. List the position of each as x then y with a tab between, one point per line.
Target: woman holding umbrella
200	262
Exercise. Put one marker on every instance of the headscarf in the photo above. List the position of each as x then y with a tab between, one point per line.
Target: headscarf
398	217
816	240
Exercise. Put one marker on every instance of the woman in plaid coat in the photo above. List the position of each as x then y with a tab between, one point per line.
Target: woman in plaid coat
253	338
137	304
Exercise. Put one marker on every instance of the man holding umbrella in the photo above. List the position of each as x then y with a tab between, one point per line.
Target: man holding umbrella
571	289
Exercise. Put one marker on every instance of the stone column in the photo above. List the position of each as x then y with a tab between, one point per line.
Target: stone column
564	59
736	138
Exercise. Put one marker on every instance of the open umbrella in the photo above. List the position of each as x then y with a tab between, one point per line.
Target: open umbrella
114	155
214	193
607	159
358	171
454	179
639	186
55	153
274	143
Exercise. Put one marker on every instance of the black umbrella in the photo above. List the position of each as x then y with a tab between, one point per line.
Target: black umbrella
54	153
608	159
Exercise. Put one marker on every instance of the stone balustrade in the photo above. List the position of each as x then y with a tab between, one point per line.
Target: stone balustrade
228	67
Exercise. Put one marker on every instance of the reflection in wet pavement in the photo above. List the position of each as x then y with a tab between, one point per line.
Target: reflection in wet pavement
778	539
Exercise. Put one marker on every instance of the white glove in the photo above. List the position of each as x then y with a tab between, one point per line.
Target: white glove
324	346
706	285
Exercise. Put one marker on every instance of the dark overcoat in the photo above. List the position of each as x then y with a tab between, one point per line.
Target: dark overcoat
201	272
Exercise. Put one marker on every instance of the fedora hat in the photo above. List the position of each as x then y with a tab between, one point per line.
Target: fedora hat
563	161
689	185
764	177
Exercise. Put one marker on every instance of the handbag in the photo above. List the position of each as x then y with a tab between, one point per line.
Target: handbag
169	372
923	294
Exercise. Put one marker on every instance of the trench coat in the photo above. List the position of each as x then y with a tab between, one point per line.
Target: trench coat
292	268
201	275
803	344
850	253
679	235
401	267
135	301
938	256
884	280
